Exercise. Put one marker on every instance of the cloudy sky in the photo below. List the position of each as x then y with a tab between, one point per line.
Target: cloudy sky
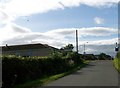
54	22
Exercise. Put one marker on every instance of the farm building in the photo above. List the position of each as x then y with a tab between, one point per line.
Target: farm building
28	50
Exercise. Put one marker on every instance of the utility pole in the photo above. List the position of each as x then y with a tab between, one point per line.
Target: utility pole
84	49
77	41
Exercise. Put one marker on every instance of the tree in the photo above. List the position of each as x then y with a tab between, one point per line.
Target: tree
104	56
68	47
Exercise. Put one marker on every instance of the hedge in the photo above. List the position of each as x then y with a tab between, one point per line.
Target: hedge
18	69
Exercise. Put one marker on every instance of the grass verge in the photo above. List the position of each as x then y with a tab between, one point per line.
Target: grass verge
45	80
117	64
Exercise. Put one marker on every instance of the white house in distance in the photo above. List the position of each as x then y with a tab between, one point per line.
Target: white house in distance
28	50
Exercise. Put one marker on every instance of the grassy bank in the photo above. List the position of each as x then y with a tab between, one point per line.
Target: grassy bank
117	64
47	79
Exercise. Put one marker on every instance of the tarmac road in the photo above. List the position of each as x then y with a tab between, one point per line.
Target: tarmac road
97	73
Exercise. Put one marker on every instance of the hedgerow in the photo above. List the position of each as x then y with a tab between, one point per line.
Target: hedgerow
18	69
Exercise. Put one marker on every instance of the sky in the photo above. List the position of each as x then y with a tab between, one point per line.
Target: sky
54	22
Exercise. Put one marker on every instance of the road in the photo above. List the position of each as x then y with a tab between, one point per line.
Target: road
97	73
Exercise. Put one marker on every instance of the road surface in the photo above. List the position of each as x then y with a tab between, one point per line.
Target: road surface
97	73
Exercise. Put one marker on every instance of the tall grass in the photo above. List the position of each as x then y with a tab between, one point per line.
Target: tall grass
117	62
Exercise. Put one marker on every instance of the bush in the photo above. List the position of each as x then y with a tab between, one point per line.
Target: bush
118	55
18	70
103	56
117	64
74	56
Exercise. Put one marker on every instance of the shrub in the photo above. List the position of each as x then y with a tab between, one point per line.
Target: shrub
17	69
118	55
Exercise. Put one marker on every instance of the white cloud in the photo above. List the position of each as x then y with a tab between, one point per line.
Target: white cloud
99	3
98	31
100	42
18	29
16	8
4	18
99	20
91	31
28	7
14	34
11	30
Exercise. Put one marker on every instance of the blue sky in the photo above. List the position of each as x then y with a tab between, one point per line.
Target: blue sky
75	17
54	23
